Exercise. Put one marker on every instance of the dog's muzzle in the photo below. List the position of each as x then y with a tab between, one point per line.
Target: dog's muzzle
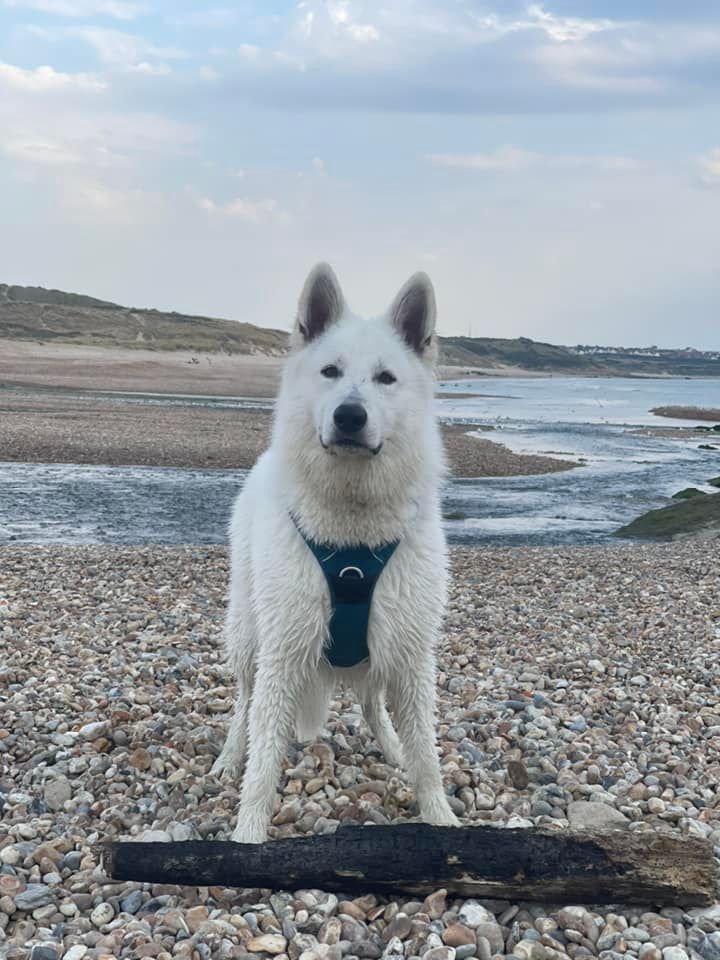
349	423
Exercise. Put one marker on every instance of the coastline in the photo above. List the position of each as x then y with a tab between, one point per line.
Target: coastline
58	426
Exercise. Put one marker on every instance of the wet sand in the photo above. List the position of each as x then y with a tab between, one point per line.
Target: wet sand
60	427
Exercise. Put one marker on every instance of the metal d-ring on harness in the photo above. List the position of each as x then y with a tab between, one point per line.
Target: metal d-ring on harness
352	574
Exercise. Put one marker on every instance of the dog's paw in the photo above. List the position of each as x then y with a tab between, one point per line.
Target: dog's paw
395	758
438	813
249	831
228	766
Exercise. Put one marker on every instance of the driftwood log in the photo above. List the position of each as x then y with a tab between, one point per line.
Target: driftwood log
415	858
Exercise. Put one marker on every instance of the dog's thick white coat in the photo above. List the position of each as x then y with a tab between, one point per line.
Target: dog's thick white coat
385	489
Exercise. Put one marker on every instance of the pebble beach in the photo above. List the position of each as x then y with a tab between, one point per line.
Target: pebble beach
56	427
577	686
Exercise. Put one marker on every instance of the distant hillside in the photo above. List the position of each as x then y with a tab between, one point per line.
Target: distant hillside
33	313
36	314
537	357
521	352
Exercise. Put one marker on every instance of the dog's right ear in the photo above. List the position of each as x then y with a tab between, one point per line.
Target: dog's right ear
321	305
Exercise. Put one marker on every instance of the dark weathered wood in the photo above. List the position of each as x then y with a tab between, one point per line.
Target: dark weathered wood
417	858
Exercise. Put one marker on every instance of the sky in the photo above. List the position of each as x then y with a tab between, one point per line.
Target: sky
554	167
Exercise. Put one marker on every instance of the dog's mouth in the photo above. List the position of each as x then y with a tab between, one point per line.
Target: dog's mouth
349	444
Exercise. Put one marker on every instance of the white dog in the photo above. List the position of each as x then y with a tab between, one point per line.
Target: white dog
355	462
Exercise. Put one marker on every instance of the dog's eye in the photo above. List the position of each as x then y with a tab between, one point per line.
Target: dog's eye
331	371
386	377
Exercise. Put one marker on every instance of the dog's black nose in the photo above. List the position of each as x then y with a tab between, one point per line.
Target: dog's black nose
350	418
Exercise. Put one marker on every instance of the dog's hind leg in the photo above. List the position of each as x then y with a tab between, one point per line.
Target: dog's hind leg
231	761
239	644
413	703
313	706
378	719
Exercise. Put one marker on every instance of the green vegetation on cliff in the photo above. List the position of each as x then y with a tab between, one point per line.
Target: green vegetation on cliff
53	316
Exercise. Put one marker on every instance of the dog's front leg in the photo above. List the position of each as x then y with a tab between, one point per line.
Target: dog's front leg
413	702
272	711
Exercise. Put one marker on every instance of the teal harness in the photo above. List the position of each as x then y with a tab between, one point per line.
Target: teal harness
352	574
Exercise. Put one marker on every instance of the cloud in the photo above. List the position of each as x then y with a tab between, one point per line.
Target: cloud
505	158
46	80
43	152
252	211
127	51
341	16
89	200
211	18
65	135
510	159
150	69
117	9
709	168
432	57
249	51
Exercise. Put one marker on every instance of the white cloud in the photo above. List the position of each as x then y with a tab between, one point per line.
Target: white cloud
60	133
42	152
92	200
341	17
117	9
505	158
564	29
150	69
46	80
252	211
249	51
213	17
126	50
430	56
509	159
709	168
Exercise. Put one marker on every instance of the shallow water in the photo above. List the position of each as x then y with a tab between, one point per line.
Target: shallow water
596	400
624	474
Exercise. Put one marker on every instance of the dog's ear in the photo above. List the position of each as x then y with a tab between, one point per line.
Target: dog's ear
321	304
413	314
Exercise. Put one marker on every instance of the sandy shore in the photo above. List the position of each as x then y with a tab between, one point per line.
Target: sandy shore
61	427
26	363
140	371
576	686
689	413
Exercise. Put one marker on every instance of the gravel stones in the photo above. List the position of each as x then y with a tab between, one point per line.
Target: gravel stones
269	943
102	914
458	935
92	731
594	816
140	759
472	914
108	730
33	896
56	792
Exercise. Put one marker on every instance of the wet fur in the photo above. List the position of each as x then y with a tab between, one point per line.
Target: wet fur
277	621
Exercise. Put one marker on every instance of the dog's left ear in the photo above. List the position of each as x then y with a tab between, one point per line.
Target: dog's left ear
413	314
321	304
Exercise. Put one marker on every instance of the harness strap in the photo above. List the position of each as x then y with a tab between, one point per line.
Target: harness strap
351	574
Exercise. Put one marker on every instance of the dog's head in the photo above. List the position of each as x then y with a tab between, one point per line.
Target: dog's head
360	384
